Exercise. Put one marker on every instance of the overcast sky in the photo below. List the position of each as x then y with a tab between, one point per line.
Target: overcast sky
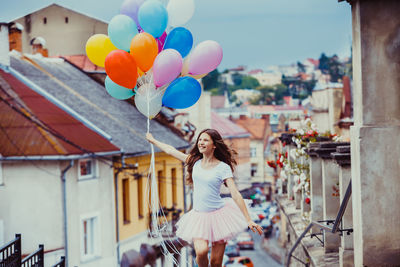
254	33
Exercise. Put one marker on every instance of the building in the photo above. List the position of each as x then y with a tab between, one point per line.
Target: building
260	131
60	30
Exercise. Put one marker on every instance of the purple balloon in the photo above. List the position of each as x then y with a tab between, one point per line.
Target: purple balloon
161	41
131	9
167	66
205	57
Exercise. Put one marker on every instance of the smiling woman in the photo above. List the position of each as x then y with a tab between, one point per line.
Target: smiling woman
214	220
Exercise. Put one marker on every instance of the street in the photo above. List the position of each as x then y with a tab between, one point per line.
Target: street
259	257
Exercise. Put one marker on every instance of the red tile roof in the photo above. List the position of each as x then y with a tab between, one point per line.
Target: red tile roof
256	127
226	127
21	136
83	62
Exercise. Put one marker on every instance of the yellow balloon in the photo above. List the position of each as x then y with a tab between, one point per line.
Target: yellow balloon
185	67
98	46
198	76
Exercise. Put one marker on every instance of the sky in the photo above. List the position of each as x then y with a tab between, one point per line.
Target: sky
253	33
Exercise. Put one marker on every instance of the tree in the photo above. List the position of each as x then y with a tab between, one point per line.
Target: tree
249	82
211	80
237	78
301	67
335	68
324	63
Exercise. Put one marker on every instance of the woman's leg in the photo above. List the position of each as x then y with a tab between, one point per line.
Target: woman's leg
201	248
217	253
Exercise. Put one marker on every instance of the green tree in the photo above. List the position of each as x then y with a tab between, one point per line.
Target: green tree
211	80
301	67
249	82
237	78
324	63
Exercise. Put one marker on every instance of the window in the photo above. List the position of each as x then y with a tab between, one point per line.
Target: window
90	239
174	187
161	188
140	196
253	169
253	152
87	169
126	212
44	20
66	19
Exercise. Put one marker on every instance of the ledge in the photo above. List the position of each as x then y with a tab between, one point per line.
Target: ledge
313	248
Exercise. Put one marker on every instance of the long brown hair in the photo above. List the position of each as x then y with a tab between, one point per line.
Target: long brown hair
222	152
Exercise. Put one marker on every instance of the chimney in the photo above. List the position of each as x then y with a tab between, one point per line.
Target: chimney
4	45
15	36
265	117
39	46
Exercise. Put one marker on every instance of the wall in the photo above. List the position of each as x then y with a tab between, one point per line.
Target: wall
61	38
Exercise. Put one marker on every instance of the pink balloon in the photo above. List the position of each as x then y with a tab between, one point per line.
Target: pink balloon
167	66
205	57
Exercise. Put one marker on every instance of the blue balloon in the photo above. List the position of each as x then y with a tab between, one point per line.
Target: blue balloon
121	30
181	40
117	91
153	17
182	93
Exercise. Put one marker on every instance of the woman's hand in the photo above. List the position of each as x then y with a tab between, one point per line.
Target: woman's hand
150	138
255	227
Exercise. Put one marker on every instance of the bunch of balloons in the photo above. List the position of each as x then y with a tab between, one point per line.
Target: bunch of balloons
143	60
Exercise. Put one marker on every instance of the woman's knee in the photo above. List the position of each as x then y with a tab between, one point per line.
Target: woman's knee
201	252
216	262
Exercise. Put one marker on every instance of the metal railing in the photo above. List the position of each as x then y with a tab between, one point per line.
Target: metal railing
61	263
35	259
325	227
10	253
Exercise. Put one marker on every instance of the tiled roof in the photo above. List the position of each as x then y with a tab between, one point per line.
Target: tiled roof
119	119
227	128
22	110
256	127
217	101
83	62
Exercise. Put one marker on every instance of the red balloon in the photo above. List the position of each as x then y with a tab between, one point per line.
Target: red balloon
121	68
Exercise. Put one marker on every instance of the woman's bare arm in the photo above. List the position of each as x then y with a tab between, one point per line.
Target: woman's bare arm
170	150
237	197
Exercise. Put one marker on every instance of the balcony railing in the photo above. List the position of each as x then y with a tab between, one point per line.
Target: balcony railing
10	253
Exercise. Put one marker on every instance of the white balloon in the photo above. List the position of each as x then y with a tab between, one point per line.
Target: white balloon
148	100
180	12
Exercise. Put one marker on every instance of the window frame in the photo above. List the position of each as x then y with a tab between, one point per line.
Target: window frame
96	238
253	152
94	173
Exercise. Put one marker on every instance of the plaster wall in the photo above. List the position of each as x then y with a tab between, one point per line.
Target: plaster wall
61	38
4	45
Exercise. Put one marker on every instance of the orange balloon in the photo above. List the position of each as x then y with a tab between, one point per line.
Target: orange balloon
140	72
144	50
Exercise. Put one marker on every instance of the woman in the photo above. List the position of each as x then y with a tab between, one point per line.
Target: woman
212	219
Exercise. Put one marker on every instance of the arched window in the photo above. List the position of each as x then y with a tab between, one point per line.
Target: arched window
66	19
44	20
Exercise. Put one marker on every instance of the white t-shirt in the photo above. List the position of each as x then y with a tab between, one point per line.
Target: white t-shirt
207	186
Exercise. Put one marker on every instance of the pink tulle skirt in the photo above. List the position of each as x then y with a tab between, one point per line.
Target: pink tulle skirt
218	225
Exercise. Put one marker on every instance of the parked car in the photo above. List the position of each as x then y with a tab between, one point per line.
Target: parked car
232	250
245	241
239	261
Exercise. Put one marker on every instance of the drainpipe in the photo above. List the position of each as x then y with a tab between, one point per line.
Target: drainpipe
64	200
117	206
